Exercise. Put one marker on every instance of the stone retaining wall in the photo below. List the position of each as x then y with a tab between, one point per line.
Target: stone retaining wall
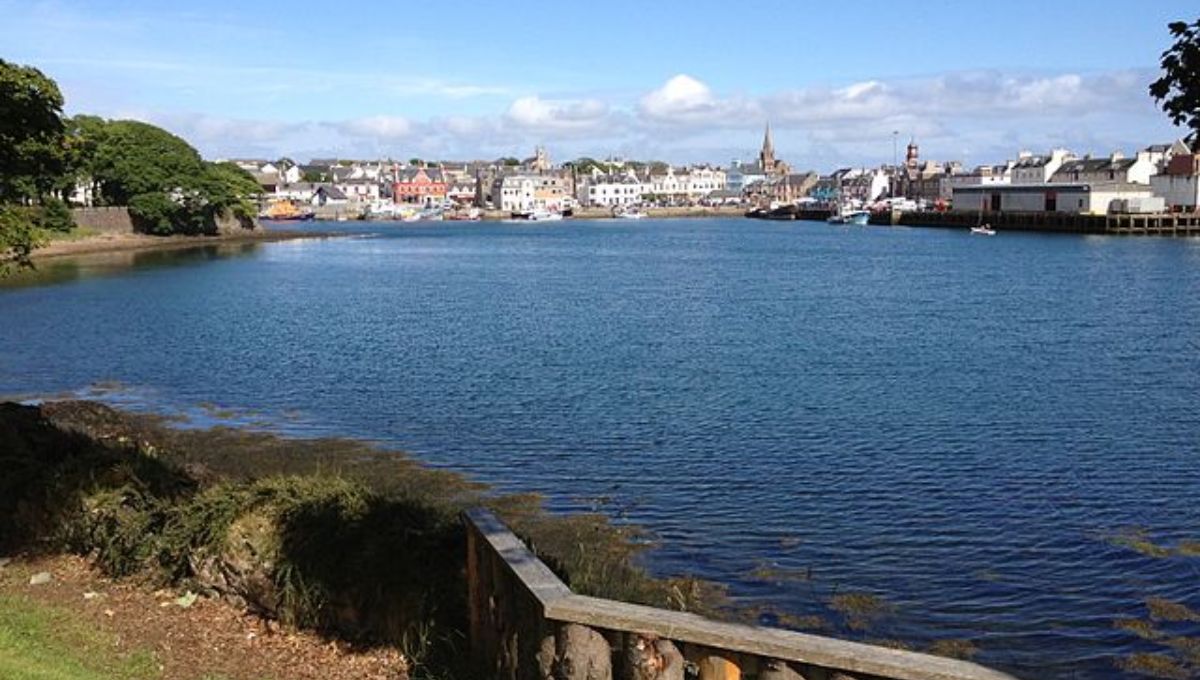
110	220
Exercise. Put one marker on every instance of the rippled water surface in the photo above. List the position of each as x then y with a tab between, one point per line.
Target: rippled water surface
953	423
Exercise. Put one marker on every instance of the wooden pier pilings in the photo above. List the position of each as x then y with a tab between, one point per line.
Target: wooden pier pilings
1168	224
527	624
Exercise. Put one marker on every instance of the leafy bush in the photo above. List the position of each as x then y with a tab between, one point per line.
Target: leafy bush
18	238
56	215
155	213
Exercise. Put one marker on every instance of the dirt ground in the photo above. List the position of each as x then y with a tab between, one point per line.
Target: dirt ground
208	639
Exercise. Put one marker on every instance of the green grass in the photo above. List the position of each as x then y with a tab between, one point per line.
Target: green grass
38	642
76	234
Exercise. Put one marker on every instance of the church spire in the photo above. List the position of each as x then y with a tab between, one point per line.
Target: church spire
767	156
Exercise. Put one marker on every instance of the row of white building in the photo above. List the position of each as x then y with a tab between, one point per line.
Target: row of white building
1160	177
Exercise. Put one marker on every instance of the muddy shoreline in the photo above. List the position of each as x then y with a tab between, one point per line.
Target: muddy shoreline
115	243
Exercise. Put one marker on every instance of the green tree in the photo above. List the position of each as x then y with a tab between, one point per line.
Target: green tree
18	238
83	138
31	133
134	158
1178	89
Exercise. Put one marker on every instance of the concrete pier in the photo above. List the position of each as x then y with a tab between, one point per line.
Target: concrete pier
1168	224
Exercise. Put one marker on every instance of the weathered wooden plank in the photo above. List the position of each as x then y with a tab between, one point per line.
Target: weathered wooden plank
529	570
851	657
512	570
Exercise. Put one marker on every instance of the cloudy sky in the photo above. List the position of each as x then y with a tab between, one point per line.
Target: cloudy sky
681	81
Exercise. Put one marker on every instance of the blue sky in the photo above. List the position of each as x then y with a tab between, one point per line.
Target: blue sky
673	80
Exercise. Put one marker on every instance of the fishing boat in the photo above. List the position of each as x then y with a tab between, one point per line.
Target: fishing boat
855	217
983	230
537	215
543	215
472	215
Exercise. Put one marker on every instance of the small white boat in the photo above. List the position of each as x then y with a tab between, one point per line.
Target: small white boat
632	215
857	217
541	215
983	230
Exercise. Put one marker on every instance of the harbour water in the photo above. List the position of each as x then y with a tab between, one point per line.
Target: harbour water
963	427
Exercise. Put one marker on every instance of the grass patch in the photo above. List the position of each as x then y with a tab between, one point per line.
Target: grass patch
336	536
38	642
75	234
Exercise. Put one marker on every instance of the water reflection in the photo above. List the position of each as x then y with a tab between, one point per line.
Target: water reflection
65	269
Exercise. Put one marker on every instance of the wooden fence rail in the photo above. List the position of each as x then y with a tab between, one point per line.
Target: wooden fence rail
527	624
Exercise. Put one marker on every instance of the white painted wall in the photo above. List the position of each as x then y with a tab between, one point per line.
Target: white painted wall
1182	191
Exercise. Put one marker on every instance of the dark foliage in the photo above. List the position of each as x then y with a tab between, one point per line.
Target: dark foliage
1178	89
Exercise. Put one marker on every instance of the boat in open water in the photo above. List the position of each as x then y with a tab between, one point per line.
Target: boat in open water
855	217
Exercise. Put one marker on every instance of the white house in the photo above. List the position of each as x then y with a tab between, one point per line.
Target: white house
1115	168
1179	183
1031	169
514	193
612	190
984	175
741	176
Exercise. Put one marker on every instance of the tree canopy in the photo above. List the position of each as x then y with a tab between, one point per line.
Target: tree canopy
44	157
31	133
1178	89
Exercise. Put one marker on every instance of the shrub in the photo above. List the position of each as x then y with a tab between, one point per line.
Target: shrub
56	216
155	213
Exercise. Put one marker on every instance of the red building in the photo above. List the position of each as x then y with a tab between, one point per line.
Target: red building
422	186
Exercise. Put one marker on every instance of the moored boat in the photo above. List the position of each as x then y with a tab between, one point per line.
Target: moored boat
286	211
983	230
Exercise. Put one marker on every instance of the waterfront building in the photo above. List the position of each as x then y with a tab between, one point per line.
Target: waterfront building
1074	198
1179	182
299	192
1115	168
329	195
419	185
741	176
460	191
688	185
984	175
360	190
1031	169
790	187
923	181
612	189
522	192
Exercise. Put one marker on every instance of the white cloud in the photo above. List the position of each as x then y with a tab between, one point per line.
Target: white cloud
377	127
981	116
685	100
557	115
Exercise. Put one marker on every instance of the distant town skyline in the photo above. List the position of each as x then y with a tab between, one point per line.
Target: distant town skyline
672	81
